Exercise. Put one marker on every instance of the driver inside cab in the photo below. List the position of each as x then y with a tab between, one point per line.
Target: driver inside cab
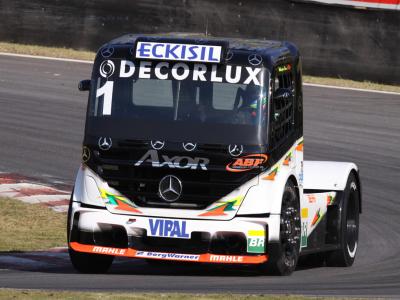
246	109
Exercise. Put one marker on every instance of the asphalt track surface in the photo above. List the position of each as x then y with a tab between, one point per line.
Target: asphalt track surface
41	129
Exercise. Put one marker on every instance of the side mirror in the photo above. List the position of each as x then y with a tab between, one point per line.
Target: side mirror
283	94
84	85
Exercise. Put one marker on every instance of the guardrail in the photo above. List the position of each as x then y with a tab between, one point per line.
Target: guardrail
334	41
372	4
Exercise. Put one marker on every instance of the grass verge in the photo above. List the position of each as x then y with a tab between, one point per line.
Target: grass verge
26	227
38	295
46	51
87	55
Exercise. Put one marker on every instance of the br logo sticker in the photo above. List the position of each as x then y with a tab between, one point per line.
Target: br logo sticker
256	241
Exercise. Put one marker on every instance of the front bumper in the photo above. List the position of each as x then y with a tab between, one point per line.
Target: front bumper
237	241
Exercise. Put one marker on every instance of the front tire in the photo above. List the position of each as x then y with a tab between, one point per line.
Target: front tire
284	258
349	227
90	263
86	262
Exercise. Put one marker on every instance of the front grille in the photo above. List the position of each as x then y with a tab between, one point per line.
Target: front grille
197	244
224	243
200	188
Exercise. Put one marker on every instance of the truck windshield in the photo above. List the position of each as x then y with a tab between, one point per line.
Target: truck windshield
225	95
178	100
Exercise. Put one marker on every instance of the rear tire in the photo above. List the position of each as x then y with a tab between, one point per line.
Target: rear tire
283	260
349	227
86	262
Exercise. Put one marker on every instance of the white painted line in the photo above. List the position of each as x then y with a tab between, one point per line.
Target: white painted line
17	186
47	58
56	250
349	88
14	189
9	194
60	208
304	83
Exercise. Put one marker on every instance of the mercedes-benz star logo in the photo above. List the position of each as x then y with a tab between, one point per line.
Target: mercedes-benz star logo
107	52
235	150
157	145
85	154
170	188
229	55
189	146
105	143
255	59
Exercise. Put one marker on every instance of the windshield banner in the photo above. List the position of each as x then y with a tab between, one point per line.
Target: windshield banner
181	71
179	52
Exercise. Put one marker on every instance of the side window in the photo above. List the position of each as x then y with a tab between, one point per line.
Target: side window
283	108
283	78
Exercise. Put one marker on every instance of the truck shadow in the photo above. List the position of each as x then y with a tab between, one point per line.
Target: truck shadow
59	263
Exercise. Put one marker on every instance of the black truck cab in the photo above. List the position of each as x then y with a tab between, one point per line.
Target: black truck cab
188	107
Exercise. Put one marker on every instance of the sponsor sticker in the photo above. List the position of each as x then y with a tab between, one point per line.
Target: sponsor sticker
303	238
179	52
256	241
168	228
311	198
226	258
330	198
301	174
182	71
284	68
317	217
178	162
163	255
247	163
108	250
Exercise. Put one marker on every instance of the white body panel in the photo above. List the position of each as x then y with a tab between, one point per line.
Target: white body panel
327	175
262	195
93	220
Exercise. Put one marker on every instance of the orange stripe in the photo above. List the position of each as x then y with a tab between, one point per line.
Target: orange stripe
123	206
299	147
219	211
229	259
204	258
271	176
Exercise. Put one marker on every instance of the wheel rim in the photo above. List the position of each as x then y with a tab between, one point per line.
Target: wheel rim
290	231
351	225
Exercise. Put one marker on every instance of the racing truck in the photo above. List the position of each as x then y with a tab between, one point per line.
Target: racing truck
193	152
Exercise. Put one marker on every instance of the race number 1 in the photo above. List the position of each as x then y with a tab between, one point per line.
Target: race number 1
107	91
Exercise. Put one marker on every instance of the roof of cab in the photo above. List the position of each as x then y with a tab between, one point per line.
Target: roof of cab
273	52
